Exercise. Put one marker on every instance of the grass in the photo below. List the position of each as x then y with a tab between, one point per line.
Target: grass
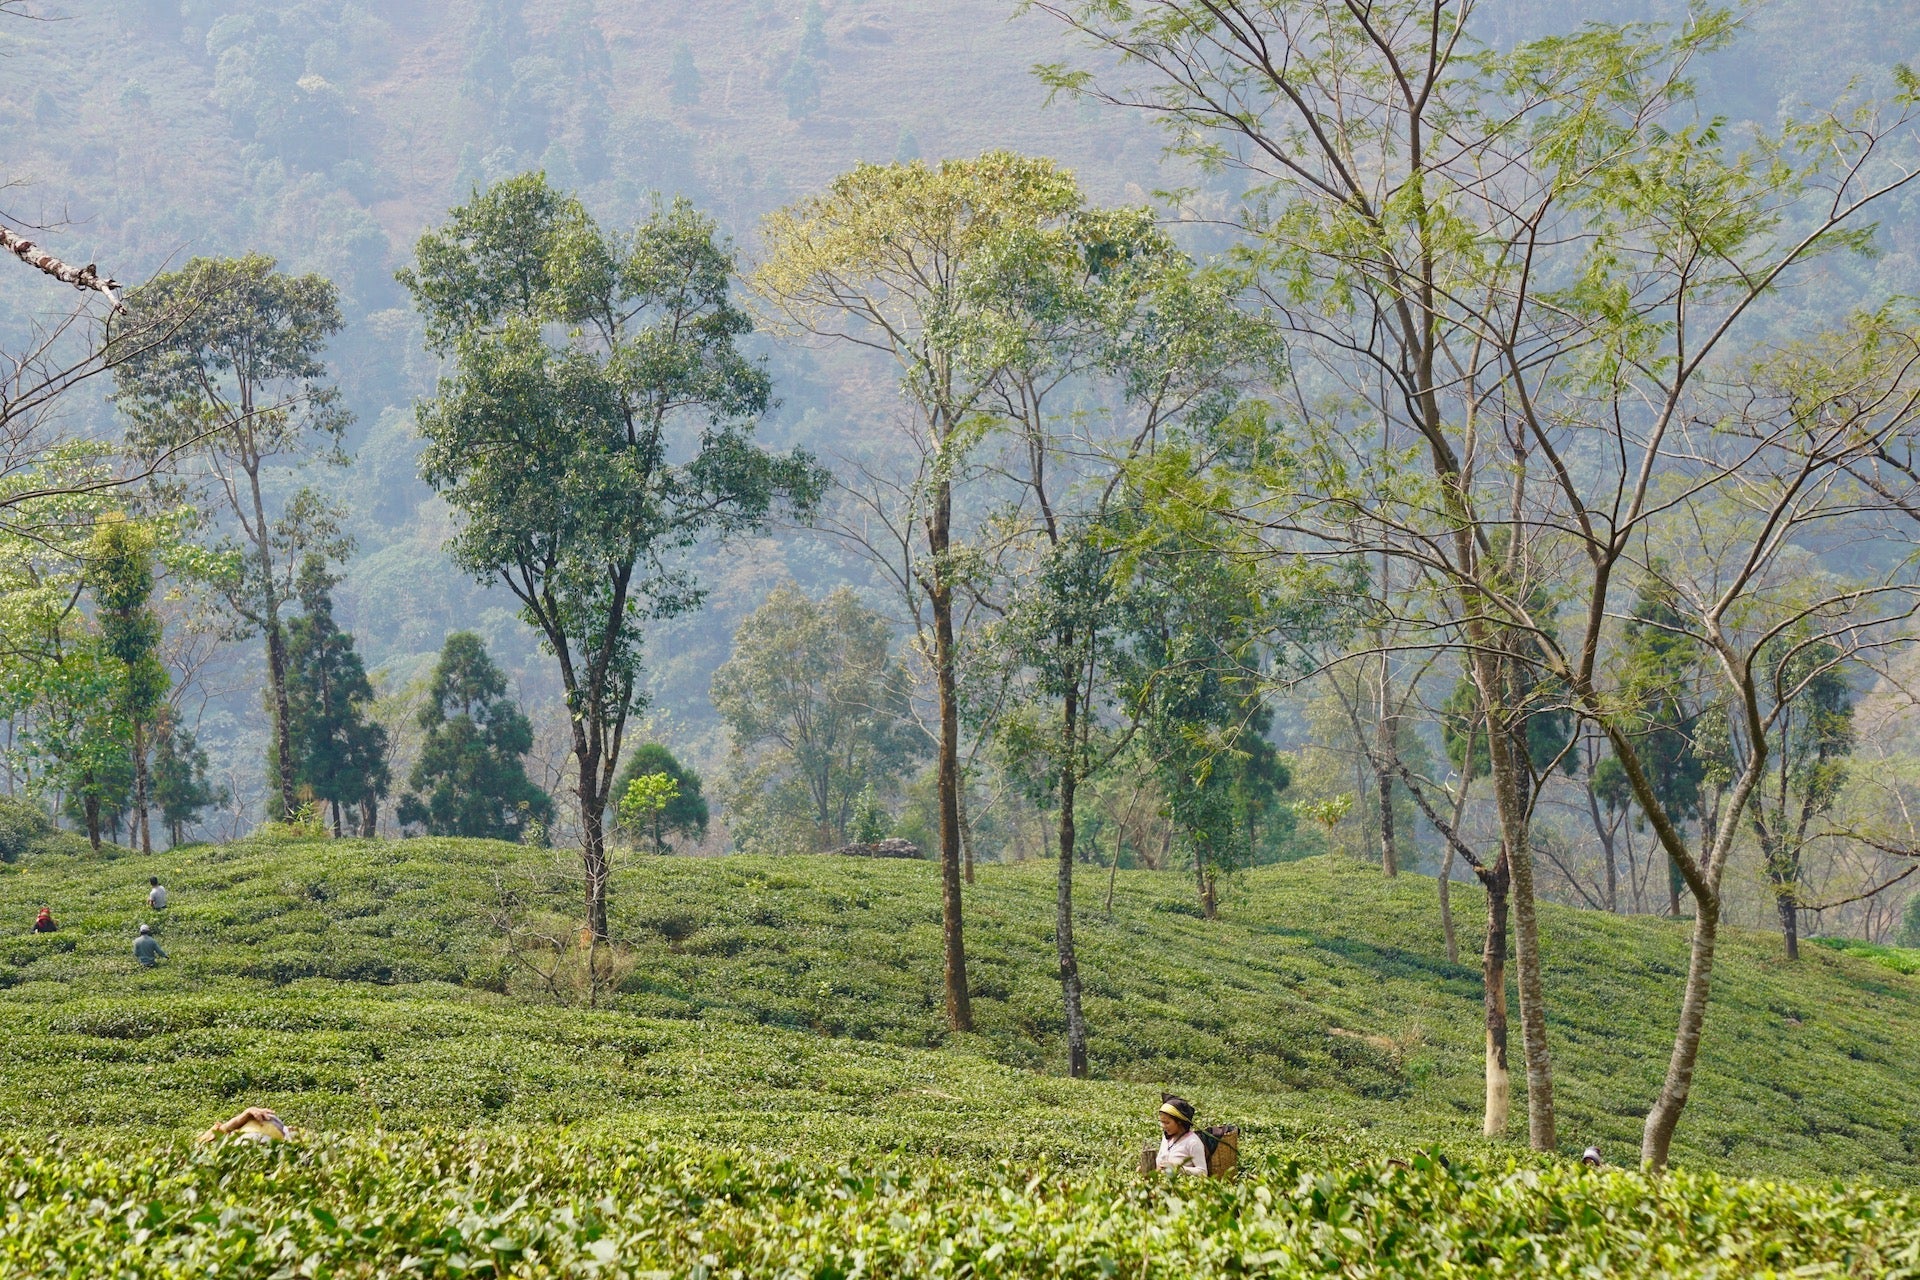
768	1087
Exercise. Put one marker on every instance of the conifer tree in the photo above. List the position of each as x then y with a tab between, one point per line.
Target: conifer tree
340	756
180	785
470	780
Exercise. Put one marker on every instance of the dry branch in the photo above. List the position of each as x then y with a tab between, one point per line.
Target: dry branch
85	279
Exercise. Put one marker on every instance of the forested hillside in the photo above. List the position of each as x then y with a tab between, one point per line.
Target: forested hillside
330	134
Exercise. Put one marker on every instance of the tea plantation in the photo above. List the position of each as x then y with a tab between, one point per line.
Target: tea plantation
765	1086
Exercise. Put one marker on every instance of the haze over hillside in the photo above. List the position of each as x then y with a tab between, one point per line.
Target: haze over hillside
330	134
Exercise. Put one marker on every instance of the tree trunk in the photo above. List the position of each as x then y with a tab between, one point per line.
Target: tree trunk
140	802
282	714
1673	888
1063	907
1657	1138
959	1002
1384	745
1505	745
339	828
1389	853
1493	981
591	792
93	818
369	816
1445	887
1789	904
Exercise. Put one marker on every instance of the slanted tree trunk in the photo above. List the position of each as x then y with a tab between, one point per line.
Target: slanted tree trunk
1063	906
1657	1138
940	601
86	279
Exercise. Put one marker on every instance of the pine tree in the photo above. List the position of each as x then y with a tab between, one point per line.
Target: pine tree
470	780
180	785
340	755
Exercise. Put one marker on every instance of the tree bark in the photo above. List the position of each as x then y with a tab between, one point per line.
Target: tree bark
1789	905
140	802
369	816
1385	749
593	842
86	279
940	600
1657	1138
1063	907
92	809
282	713
1505	744
1493	973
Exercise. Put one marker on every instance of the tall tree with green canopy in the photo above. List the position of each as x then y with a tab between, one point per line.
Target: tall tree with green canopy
686	814
341	754
597	419
120	571
881	261
1111	344
817	706
471	779
239	384
1531	268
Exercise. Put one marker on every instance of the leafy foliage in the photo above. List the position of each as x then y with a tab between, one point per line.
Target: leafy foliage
817	706
470	779
683	814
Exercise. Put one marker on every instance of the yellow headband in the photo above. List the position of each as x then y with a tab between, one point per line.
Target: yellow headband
1168	1109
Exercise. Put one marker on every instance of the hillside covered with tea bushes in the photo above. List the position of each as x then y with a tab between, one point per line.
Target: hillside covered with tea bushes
436	984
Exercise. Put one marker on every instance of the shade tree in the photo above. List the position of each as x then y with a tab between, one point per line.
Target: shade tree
683	815
236	396
817	705
340	751
596	419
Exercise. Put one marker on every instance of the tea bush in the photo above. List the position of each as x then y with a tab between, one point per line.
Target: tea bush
768	1087
497	1206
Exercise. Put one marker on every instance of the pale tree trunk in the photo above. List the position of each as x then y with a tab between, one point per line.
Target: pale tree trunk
1504	746
1493	972
1385	750
966	827
276	640
86	279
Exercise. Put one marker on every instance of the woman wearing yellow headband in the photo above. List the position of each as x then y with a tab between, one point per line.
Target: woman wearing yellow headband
1181	1147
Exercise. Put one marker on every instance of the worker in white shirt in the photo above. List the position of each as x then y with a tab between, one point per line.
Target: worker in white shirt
157	895
1181	1148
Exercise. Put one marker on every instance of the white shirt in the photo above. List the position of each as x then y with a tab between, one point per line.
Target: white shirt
157	897
1185	1152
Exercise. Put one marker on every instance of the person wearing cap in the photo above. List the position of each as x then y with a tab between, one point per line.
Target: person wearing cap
1180	1147
146	947
43	923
